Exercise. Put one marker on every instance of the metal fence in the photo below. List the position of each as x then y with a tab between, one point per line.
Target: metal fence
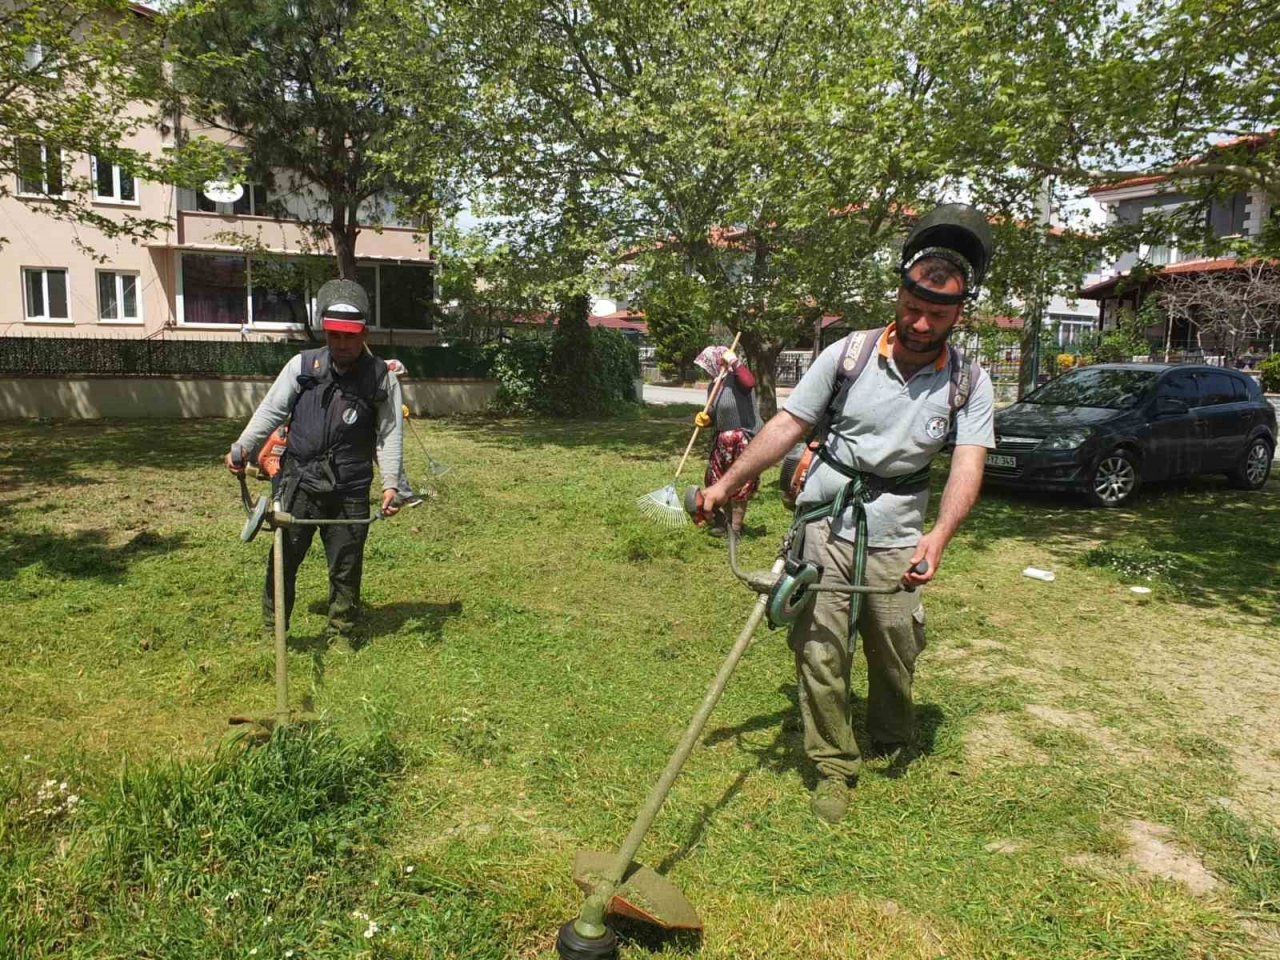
107	357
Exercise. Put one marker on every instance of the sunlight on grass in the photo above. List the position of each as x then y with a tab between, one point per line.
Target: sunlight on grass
534	649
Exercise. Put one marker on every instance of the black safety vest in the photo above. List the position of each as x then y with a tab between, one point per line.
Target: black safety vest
333	435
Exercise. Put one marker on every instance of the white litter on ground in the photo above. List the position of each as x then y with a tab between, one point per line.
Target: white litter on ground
1035	573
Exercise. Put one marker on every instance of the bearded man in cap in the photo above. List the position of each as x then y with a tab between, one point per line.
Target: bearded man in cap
887	402
342	405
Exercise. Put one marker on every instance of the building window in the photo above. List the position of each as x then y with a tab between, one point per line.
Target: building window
232	291
112	183
39	169
46	295
215	290
117	297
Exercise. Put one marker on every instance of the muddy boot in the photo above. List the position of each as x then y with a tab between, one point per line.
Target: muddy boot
830	800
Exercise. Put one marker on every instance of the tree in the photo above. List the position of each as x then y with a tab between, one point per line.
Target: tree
83	76
776	152
1230	310
310	90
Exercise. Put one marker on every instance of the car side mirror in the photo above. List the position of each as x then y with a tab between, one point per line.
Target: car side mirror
1171	406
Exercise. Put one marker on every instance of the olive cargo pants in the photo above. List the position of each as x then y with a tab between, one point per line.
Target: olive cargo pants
892	630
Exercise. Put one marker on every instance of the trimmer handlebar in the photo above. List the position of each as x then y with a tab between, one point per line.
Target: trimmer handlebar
765	580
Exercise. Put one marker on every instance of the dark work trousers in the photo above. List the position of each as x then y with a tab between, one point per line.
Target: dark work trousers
343	548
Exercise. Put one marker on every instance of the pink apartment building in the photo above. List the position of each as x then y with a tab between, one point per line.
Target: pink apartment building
193	277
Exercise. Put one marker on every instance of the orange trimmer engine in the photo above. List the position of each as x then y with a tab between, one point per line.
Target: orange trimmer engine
273	449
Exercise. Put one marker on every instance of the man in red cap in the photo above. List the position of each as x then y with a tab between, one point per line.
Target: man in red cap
342	405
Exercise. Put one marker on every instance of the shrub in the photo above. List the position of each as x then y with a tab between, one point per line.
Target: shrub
1270	370
520	366
1065	362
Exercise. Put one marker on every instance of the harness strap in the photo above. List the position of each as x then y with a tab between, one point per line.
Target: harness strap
861	489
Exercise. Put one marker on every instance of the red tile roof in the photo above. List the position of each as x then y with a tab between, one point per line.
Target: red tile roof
1252	139
1098	291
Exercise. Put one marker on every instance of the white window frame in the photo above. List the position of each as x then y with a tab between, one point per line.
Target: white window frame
117	176
44	292
181	303
44	169
119	276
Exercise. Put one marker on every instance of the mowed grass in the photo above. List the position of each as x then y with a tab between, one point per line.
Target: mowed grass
1101	776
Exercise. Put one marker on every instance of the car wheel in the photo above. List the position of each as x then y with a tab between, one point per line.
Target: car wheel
1255	465
1113	480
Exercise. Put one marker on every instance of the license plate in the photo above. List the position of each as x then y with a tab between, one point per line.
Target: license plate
1001	460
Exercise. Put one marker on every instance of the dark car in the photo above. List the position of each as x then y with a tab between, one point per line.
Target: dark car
1105	430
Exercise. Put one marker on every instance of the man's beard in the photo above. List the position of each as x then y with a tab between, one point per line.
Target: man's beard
915	345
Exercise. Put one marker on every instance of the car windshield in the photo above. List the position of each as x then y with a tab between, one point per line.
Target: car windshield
1109	387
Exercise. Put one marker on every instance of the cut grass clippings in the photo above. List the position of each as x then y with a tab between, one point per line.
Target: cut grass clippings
534	649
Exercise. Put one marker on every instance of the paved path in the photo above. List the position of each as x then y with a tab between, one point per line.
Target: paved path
656	394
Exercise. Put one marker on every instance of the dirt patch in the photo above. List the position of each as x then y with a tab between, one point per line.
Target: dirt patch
1006	846
1086	726
1151	852
992	741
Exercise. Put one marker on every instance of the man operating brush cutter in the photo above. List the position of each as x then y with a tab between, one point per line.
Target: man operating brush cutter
859	433
342	404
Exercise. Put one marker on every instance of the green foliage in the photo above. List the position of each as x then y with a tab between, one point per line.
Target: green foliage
1270	370
83	77
66	356
573	383
1127	340
520	366
523	368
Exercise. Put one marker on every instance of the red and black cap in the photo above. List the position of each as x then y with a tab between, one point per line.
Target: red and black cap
343	306
956	233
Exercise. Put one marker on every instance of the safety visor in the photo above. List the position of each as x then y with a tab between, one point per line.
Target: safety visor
342	318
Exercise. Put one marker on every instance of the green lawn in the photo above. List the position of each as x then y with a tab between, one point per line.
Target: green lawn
536	648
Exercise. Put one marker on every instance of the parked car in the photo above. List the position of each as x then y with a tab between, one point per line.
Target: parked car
1104	430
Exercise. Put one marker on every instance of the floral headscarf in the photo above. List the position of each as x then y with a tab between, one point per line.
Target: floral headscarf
709	358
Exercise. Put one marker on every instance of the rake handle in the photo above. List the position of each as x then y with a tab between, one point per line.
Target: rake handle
711	399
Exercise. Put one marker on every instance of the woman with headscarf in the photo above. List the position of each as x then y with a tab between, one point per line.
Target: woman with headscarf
734	418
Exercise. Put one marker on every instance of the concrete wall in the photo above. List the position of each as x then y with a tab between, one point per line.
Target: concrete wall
90	398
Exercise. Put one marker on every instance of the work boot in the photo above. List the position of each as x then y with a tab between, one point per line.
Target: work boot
830	799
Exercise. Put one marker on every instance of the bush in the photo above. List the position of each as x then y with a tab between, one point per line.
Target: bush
1065	362
520	366
1270	370
523	369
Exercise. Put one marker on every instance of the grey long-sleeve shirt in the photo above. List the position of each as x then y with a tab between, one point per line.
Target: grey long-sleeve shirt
277	405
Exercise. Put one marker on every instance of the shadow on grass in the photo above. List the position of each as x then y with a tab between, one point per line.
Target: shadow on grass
1219	538
82	555
82	445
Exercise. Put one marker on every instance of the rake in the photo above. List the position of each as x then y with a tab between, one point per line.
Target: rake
434	466
665	506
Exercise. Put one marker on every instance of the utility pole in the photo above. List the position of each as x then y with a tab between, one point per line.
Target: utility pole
1029	360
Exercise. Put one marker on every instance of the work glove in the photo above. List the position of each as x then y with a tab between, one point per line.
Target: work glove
404	409
702	419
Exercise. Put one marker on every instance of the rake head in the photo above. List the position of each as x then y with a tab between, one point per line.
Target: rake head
664	506
435	467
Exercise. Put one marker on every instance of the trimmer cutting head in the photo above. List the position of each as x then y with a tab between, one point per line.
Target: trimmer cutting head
643	894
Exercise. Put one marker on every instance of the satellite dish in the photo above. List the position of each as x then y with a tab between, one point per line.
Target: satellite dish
602	307
223	191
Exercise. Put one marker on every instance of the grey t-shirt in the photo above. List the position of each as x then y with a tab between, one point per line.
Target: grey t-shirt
890	428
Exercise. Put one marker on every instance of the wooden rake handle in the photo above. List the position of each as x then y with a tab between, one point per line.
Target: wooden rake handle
711	399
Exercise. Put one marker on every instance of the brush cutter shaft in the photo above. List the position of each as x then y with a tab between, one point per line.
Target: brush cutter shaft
278	622
644	819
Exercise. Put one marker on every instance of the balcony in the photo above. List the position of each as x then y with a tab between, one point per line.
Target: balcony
214	232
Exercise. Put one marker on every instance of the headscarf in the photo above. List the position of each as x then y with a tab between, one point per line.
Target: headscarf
709	359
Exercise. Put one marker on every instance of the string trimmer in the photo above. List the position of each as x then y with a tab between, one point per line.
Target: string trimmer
664	505
258	513
614	883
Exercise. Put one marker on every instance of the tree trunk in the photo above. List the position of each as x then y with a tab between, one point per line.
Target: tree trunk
762	360
343	231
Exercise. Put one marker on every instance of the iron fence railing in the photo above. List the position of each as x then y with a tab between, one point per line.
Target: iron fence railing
99	356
